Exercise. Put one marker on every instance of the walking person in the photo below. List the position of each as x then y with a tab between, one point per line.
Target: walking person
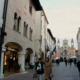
40	69
48	69
78	66
66	62
70	61
58	62
75	61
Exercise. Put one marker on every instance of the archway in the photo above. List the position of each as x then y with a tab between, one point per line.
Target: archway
29	51
11	55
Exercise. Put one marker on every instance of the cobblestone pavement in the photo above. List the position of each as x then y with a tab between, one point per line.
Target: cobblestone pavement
60	72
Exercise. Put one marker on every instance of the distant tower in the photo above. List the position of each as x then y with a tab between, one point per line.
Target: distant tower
58	44
72	43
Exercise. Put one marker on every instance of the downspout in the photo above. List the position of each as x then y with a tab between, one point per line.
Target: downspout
3	28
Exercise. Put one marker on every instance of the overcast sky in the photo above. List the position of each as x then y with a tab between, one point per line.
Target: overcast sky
63	17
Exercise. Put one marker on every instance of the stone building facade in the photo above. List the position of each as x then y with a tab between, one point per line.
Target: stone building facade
51	41
20	28
65	51
41	32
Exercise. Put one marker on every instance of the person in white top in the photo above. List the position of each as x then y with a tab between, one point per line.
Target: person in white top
40	69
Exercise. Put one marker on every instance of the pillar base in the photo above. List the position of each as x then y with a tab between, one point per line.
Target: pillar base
1	76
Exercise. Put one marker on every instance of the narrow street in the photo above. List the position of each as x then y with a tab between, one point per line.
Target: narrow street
60	72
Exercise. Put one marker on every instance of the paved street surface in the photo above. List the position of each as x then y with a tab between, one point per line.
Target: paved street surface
60	72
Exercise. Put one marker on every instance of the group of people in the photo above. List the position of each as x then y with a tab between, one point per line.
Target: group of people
47	69
70	61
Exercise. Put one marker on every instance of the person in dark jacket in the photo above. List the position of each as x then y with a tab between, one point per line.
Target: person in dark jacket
65	62
40	69
78	66
75	61
70	61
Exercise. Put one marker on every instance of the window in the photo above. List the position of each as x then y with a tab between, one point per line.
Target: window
25	29
41	24
44	28
30	37
17	23
30	8
44	42
41	39
47	36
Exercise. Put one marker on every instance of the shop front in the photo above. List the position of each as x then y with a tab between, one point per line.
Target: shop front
10	58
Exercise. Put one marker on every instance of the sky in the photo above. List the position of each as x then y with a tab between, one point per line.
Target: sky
64	18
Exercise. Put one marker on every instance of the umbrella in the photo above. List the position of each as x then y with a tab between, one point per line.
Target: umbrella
73	57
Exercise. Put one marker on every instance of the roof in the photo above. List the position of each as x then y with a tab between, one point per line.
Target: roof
53	38
37	5
45	15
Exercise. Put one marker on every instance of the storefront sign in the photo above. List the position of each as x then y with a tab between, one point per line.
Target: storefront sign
11	49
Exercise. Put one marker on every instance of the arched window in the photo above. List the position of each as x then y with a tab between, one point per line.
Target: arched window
25	29
15	21
30	8
30	35
19	24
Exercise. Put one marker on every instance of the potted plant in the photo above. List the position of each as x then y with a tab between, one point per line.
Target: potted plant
17	68
4	69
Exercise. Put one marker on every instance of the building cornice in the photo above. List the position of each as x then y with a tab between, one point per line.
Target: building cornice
37	4
50	33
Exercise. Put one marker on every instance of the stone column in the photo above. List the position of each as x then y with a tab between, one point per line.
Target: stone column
21	60
2	62
32	59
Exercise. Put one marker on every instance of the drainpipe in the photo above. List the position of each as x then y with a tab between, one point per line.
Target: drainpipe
2	34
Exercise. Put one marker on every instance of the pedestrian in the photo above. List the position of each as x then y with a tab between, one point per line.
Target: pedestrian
40	69
65	62
78	66
70	61
48	69
58	62
75	61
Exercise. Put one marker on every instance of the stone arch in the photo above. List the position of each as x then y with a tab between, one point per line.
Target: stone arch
29	52
14	45
11	55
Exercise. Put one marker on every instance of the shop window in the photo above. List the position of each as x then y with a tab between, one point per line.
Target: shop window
25	29
30	8
30	37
